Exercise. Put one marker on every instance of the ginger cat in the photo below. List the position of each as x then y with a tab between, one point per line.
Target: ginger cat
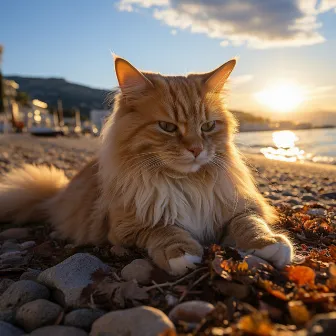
168	177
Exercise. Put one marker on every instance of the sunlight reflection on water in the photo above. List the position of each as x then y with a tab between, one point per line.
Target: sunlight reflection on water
285	148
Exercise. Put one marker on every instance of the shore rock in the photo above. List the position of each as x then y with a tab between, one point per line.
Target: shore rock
7	329
14	233
7	316
71	276
38	313
331	195
9	246
27	245
119	251
144	321
4	284
139	270
30	275
308	197
21	292
322	325
190	311
58	331
83	318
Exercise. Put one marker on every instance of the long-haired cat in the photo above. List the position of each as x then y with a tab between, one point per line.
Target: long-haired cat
168	177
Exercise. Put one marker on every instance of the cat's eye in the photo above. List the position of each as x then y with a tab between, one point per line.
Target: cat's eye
208	126
168	127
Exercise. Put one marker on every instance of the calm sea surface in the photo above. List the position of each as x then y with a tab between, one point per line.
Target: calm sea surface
317	145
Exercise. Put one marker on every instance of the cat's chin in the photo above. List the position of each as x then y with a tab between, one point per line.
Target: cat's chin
187	168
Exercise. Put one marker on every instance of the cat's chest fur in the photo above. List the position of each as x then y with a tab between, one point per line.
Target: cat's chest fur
198	206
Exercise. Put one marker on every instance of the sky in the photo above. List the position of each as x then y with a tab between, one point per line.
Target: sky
286	48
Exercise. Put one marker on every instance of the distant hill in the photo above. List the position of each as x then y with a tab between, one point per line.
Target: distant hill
50	90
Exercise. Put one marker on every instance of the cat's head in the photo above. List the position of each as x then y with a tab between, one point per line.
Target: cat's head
169	123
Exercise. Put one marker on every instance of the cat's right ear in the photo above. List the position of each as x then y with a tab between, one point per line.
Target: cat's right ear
130	79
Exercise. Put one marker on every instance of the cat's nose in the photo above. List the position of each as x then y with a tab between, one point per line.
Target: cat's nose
195	150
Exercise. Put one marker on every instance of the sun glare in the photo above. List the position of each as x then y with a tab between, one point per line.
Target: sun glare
282	97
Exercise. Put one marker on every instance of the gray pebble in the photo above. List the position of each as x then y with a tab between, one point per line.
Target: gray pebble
138	269
21	292
9	246
294	201
10	254
71	276
58	331
144	321
317	212
27	245
4	284
190	311
30	275
83	318
308	197
287	193
7	316
7	329
14	233
36	314
322	325
119	251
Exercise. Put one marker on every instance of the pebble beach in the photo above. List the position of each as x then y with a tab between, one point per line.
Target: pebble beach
51	287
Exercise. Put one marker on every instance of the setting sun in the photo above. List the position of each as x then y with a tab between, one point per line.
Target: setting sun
282	97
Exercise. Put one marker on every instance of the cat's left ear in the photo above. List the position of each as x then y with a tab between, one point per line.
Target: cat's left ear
130	79
215	80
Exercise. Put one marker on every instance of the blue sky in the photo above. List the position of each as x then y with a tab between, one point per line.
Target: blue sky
73	39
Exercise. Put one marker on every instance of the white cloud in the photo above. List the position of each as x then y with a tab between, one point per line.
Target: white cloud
257	23
173	31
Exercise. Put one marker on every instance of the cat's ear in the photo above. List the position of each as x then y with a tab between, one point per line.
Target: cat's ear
215	80
129	77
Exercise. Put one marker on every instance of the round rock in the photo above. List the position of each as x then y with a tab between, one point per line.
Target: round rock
4	284
38	313
27	245
21	292
322	325
7	329
30	275
83	318
9	246
14	233
139	270
58	331
144	321
190	311
71	276
119	251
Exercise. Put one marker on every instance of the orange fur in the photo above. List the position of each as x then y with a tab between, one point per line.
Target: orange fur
146	188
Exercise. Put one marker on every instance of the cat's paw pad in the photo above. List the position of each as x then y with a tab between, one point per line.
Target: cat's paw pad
279	254
181	264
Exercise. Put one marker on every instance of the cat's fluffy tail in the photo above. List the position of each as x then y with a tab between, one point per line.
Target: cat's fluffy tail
24	192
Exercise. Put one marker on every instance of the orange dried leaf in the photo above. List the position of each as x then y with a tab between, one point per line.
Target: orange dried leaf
301	275
271	288
256	324
332	251
298	312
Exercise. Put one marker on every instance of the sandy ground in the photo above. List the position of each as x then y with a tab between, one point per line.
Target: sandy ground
293	183
250	296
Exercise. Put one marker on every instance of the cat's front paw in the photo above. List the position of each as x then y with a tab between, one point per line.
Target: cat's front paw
177	258
180	265
279	254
